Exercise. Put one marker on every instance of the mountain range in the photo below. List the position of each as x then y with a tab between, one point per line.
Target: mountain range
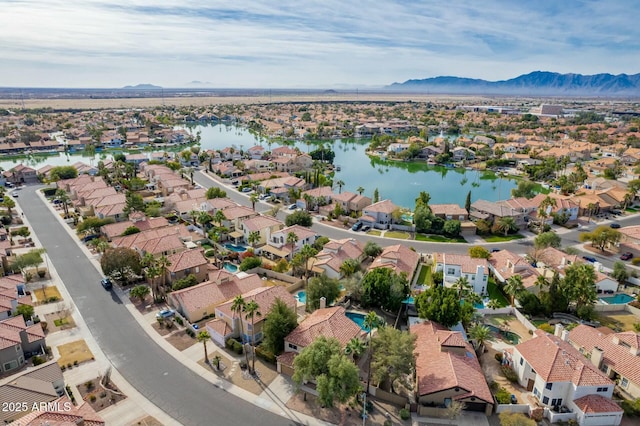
537	83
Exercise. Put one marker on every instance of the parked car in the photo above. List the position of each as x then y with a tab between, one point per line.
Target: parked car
627	255
514	400
246	189
106	283
166	313
495	250
356	226
589	259
14	194
90	237
292	207
366	229
614	225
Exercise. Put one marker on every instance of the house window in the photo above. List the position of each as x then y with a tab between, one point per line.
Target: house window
554	402
197	269
536	392
624	383
602	389
549	386
484	278
292	346
451	271
521	361
545	400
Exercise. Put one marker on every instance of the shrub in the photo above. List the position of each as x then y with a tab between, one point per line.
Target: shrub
243	365
281	266
37	360
503	396
237	348
89	385
499	357
635	261
509	373
547	328
494	386
93	398
179	320
63	367
229	343
265	355
209	253
190	332
69	366
75	363
41	274
404	414
103	394
250	263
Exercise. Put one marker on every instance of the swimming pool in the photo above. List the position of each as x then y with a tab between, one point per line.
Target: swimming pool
618	299
301	296
507	336
230	267
358	318
235	248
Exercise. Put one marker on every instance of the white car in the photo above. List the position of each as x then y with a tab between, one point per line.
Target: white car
293	207
14	194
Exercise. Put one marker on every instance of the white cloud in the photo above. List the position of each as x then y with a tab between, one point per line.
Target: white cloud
312	43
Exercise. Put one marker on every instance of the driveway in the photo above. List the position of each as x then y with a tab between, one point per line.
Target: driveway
180	392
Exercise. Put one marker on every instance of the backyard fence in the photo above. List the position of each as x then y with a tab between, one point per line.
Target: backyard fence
512	408
524	320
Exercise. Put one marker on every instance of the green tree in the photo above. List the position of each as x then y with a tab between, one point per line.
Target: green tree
467	202
122	264
393	358
204	337
279	322
462	286
620	273
62	195
439	304
349	267
251	311
360	190
253	198
376	196
301	218
26	311
186	282
480	334
292	239
9	204
336	376
130	231
547	239
505	224
384	288
371	321
92	225
554	299
339	184
580	284
452	228
133	203
544	211
513	287
237	307
306	254
355	348
479	252
601	237
62	172
140	292
372	249
253	238
526	189
250	263
322	286
215	192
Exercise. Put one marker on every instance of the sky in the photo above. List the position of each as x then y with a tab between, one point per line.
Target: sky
308	43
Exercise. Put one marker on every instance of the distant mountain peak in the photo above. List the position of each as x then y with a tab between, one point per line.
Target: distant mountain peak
536	83
144	86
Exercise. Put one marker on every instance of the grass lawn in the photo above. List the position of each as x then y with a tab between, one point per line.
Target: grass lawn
373	232
538	323
44	293
425	275
74	351
502	238
396	234
64	321
496	294
618	320
439	238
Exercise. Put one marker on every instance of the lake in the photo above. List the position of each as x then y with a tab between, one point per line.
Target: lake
400	182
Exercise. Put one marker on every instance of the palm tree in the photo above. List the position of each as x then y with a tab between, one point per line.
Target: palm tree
591	209
163	264
463	286
253	238
339	184
237	306
219	217
203	337
204	218
493	304
544	210
251	310
151	271
370	322
541	282
349	267
360	190
513	287
254	199
216	361
506	224
214	238
307	252
62	195
355	348
480	333
292	239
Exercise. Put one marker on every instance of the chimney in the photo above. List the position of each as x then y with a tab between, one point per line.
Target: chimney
558	331
565	335
323	302
597	356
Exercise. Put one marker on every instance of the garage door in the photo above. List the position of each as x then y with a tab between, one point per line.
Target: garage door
475	406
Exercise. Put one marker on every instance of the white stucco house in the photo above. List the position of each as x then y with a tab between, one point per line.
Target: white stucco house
455	266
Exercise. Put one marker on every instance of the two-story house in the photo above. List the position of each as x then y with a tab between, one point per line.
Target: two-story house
564	381
17	339
188	262
400	259
263	226
350	202
335	253
378	215
284	248
449	212
505	264
454	266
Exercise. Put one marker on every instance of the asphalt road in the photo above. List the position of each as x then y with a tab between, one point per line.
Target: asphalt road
174	388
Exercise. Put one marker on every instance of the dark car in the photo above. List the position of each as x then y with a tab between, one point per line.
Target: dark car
589	259
627	255
366	229
106	283
356	226
90	237
495	250
514	400
614	225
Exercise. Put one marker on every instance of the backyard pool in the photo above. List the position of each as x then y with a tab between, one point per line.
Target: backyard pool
618	299
358	318
235	248
507	336
301	296
230	267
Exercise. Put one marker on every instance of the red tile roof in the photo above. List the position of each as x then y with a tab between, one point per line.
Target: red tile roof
265	297
468	265
440	369
597	404
328	322
398	258
186	260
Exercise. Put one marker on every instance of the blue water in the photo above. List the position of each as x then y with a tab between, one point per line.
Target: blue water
618	299
358	319
301	296
230	267
509	336
235	248
409	300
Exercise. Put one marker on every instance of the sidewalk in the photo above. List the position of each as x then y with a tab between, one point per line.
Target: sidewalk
273	398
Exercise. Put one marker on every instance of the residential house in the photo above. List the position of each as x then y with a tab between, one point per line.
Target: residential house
12	294
505	264
137	219
397	148
379	215
328	322
159	241
447	369
256	152
449	212
227	324
318	197
488	210
335	253
40	384
188	262
560	377
21	174
16	339
350	202
235	216
265	226
199	301
399	258
617	355
555	260
278	247
455	266
62	412
302	162
461	153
